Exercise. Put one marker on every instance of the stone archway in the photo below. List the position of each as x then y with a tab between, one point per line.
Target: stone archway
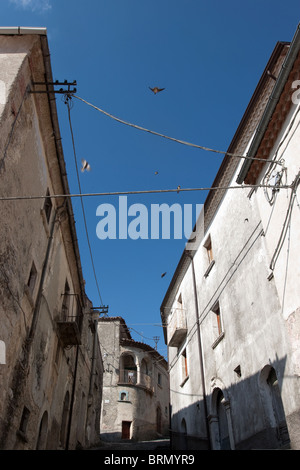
220	421
273	406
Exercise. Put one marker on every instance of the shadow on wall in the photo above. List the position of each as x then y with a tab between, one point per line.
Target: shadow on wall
247	415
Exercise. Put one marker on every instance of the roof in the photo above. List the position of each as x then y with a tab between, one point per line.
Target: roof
114	320
131	342
275	113
19	30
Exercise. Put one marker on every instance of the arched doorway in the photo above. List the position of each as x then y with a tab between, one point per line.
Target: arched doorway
220	427
273	405
183	445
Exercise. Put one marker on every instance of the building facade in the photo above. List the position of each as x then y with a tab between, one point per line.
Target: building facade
50	363
135	386
232	308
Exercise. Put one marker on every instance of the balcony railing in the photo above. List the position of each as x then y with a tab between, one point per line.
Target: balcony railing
132	377
128	376
69	329
177	328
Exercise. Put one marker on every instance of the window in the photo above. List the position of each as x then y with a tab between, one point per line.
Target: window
48	206
123	396
32	278
159	379
23	424
24	420
184	367
208	247
209	253
217	324
66	302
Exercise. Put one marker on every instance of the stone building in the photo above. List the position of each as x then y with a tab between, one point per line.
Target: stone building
50	364
135	386
232	308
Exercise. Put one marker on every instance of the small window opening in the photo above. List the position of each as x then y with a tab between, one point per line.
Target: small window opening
184	366
24	420
48	206
32	278
208	247
238	371
66	301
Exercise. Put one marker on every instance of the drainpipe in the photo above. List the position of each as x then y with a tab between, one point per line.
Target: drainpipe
200	353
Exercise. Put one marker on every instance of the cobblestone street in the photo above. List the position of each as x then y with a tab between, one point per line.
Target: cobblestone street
156	445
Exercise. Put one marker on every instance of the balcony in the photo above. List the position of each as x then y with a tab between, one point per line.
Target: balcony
177	328
69	330
133	377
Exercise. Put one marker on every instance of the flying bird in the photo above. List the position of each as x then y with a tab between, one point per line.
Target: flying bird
156	89
156	172
85	166
163	274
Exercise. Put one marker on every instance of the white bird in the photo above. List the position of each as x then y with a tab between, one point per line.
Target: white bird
85	166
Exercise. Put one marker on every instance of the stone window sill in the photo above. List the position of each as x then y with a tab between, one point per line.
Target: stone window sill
209	268
217	341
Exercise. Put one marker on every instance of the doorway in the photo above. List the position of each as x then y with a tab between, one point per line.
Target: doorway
126	429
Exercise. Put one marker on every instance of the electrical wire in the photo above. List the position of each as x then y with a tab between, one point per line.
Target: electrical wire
67	101
135	126
150	191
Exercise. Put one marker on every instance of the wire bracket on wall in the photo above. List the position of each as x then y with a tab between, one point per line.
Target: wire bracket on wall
67	88
102	310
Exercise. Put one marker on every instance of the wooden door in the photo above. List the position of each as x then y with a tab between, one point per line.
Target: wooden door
126	429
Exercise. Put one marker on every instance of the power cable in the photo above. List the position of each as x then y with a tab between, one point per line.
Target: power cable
150	191
67	102
135	126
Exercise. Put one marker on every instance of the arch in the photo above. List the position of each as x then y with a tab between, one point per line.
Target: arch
128	368
43	431
220	421
183	443
273	405
145	374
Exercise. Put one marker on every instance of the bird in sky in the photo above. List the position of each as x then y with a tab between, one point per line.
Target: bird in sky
156	89
163	274
85	166
156	172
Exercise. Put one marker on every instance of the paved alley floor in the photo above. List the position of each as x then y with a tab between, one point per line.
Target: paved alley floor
156	445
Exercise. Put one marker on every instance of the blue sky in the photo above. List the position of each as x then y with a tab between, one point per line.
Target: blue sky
209	57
